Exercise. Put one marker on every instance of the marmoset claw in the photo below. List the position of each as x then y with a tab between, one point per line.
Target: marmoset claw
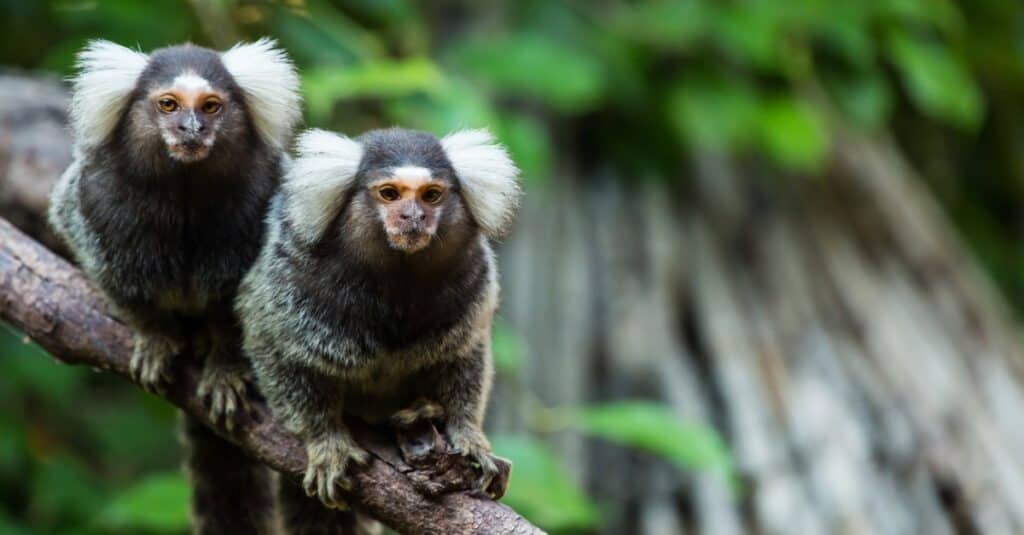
223	389
326	472
150	364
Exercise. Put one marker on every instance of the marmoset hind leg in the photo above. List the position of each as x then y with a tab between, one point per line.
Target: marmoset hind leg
309	404
462	389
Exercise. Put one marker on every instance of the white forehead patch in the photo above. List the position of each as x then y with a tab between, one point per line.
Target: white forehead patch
410	171
190	81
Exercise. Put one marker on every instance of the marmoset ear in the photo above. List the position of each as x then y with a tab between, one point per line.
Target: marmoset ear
322	172
270	87
107	74
488	178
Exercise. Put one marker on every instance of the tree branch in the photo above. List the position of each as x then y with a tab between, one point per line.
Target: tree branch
56	305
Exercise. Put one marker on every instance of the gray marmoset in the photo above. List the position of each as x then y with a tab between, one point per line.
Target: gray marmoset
375	292
176	156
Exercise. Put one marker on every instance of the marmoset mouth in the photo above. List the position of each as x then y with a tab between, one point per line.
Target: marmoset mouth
410	240
189	151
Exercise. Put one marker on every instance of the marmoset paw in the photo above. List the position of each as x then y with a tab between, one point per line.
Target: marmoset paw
423	410
329	460
472	443
150	364
223	390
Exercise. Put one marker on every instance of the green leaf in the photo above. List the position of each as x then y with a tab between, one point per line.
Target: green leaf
793	133
938	83
507	346
160	503
528	143
751	32
318	33
324	86
457	105
668	24
653	427
62	488
853	41
9	526
713	112
943	14
533	65
864	99
540	489
27	368
13	449
132	434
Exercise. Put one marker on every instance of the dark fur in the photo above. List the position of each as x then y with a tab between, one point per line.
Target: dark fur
349	323
231	493
167	225
169	243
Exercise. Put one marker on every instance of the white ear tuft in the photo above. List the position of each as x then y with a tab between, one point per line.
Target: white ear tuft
271	87
489	178
324	168
107	74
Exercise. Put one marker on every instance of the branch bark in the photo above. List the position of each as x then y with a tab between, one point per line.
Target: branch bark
55	304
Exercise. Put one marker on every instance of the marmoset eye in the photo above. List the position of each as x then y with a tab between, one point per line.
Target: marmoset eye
211	106
389	193
167	104
432	195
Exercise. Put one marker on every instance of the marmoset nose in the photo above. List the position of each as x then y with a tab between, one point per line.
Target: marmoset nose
413	216
412	212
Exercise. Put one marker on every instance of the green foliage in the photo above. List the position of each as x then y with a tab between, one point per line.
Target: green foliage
10	526
13	449
63	488
70	439
793	132
533	66
326	86
653	428
866	100
508	348
541	490
159	504
713	112
936	80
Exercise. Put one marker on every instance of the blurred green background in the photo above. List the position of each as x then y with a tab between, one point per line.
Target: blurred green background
633	87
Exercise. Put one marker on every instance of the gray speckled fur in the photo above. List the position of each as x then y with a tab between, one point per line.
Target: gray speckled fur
338	321
281	331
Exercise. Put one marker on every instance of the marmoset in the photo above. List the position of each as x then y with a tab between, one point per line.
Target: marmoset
375	292
176	156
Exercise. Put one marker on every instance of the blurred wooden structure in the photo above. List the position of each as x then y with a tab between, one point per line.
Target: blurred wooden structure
862	369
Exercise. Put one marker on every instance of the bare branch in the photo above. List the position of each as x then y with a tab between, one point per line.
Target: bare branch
56	305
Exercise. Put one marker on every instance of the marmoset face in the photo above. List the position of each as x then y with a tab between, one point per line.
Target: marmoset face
410	202
189	112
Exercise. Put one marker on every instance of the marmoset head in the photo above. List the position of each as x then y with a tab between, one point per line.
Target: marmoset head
401	190
182	102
